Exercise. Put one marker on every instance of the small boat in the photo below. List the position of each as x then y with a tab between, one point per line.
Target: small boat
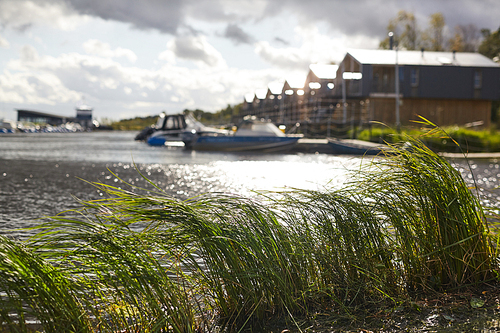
251	135
354	147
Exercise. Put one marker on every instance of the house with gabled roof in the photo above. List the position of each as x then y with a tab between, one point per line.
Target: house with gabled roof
320	79
448	88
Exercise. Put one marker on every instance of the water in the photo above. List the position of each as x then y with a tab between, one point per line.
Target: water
42	173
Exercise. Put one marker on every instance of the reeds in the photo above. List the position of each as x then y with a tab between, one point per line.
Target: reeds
140	261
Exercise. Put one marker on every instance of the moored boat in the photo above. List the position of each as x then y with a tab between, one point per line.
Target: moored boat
170	130
251	135
354	147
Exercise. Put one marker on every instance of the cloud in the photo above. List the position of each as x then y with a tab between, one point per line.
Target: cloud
21	15
99	48
163	15
237	35
40	81
196	48
29	54
281	41
370	17
289	57
314	48
363	17
4	43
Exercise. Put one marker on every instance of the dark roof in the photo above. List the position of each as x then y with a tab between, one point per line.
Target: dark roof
41	114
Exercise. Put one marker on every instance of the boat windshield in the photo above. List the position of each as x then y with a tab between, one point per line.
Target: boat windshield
161	119
257	128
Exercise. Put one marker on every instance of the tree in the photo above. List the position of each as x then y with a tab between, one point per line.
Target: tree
466	38
434	33
404	27
490	47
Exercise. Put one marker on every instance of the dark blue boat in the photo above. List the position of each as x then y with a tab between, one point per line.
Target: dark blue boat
354	147
252	135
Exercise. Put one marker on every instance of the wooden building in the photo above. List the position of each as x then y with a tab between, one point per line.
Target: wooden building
448	88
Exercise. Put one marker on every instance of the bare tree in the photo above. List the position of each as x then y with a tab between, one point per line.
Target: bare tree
466	38
436	28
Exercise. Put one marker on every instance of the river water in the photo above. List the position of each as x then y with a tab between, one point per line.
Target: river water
42	173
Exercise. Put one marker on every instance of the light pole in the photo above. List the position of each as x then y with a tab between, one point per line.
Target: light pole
398	122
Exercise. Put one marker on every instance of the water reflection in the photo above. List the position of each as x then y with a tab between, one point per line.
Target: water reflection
40	173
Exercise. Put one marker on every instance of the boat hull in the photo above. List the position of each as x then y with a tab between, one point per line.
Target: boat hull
244	143
354	147
162	138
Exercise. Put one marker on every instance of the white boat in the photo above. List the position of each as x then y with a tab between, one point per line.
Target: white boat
252	135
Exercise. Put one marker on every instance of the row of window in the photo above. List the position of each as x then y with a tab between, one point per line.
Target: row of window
414	77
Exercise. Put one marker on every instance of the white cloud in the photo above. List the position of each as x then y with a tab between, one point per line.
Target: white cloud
29	54
21	15
288	57
4	43
167	56
37	79
101	49
197	49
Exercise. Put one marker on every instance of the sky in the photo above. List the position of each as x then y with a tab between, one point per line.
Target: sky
129	58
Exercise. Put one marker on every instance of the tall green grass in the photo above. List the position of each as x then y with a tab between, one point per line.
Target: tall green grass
141	261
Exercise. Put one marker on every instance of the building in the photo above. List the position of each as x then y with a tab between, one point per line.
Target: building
446	88
84	115
38	117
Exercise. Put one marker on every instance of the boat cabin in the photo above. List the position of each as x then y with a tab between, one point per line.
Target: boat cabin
171	122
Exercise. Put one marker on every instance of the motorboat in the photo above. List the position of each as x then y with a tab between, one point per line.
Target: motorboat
354	147
251	135
169	130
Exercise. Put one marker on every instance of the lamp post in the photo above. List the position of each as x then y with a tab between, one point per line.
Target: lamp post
391	43
344	104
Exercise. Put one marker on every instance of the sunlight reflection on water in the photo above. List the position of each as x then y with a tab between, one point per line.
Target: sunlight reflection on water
40	174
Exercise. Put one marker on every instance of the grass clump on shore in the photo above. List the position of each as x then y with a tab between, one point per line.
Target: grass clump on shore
141	261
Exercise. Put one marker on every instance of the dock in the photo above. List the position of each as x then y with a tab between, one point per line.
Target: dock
321	146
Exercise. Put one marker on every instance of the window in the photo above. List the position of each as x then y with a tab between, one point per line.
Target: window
478	78
414	77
